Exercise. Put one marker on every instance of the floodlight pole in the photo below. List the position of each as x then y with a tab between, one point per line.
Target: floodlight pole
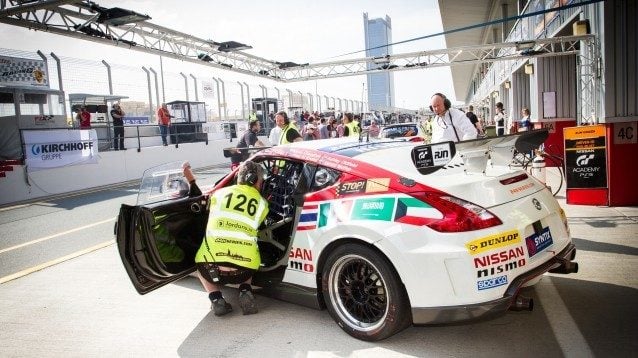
108	73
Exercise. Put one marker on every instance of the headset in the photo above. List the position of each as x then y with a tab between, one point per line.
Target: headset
251	178
250	173
446	102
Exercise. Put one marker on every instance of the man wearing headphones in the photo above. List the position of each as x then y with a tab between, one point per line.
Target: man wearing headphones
229	253
450	124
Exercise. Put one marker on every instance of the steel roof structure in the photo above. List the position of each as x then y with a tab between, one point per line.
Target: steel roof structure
87	20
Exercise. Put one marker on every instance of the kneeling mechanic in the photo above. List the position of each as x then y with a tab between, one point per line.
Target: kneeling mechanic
229	253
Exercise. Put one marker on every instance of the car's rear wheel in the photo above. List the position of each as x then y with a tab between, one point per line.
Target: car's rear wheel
363	293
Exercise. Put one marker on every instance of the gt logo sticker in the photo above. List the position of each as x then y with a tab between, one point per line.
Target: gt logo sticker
493	241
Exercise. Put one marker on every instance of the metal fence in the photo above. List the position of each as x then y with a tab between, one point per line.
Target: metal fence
146	87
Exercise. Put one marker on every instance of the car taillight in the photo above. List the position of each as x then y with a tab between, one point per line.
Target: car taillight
458	215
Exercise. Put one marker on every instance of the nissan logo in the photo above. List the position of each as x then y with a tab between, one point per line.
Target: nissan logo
537	204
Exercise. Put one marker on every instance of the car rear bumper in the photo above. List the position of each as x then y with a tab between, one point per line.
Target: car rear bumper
449	314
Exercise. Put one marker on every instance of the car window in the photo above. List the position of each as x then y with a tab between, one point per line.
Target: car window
283	179
323	178
399	131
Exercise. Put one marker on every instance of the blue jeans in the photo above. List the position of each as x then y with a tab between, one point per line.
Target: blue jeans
163	132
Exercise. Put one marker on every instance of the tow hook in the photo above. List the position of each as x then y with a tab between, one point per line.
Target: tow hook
522	303
566	267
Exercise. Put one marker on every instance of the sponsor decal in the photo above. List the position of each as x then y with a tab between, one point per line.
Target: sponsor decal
233	225
499	257
352	187
491	242
491	282
57	148
300	266
301	254
373	209
537	204
233	256
522	188
223	240
537	242
376	185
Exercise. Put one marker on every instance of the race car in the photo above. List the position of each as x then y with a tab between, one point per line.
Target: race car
382	233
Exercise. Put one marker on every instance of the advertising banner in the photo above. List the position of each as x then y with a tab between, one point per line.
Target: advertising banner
23	72
59	148
585	157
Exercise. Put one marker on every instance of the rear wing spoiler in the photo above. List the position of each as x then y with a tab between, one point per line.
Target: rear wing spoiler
244	152
429	158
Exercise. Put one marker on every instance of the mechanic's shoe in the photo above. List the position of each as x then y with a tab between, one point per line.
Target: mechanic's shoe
247	302
221	307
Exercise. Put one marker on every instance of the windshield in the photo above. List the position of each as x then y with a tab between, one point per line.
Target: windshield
161	183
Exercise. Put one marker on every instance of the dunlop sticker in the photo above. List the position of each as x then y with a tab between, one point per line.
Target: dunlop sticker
491	242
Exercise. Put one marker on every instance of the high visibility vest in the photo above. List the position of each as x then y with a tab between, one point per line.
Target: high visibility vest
252	116
284	133
231	234
353	129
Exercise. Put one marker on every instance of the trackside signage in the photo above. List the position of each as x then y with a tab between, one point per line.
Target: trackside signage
59	148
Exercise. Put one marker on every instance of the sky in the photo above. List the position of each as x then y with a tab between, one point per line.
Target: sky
285	30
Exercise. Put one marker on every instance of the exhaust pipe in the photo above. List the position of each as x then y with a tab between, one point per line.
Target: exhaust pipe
566	267
522	303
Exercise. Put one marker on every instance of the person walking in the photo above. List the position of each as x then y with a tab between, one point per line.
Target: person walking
451	124
164	121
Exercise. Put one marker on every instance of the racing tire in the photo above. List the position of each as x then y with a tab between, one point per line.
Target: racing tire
364	294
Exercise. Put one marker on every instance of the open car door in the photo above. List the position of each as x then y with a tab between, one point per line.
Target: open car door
158	237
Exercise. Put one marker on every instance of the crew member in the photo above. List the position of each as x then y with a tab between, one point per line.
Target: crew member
351	126
289	132
248	139
450	124
229	253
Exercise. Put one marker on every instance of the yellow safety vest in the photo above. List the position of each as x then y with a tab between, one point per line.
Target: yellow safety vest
231	234
284	133
353	129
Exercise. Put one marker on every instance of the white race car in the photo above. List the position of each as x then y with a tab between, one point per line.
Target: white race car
384	234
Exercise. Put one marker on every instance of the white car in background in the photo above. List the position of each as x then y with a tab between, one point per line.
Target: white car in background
384	234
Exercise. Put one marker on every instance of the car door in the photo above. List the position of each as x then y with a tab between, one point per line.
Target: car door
157	239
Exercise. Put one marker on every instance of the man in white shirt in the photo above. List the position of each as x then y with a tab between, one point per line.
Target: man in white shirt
275	133
450	124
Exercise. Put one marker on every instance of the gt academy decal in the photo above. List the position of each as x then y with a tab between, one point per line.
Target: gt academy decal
493	241
536	243
491	283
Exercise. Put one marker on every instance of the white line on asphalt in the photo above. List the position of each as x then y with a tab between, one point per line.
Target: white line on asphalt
55	262
566	331
55	235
